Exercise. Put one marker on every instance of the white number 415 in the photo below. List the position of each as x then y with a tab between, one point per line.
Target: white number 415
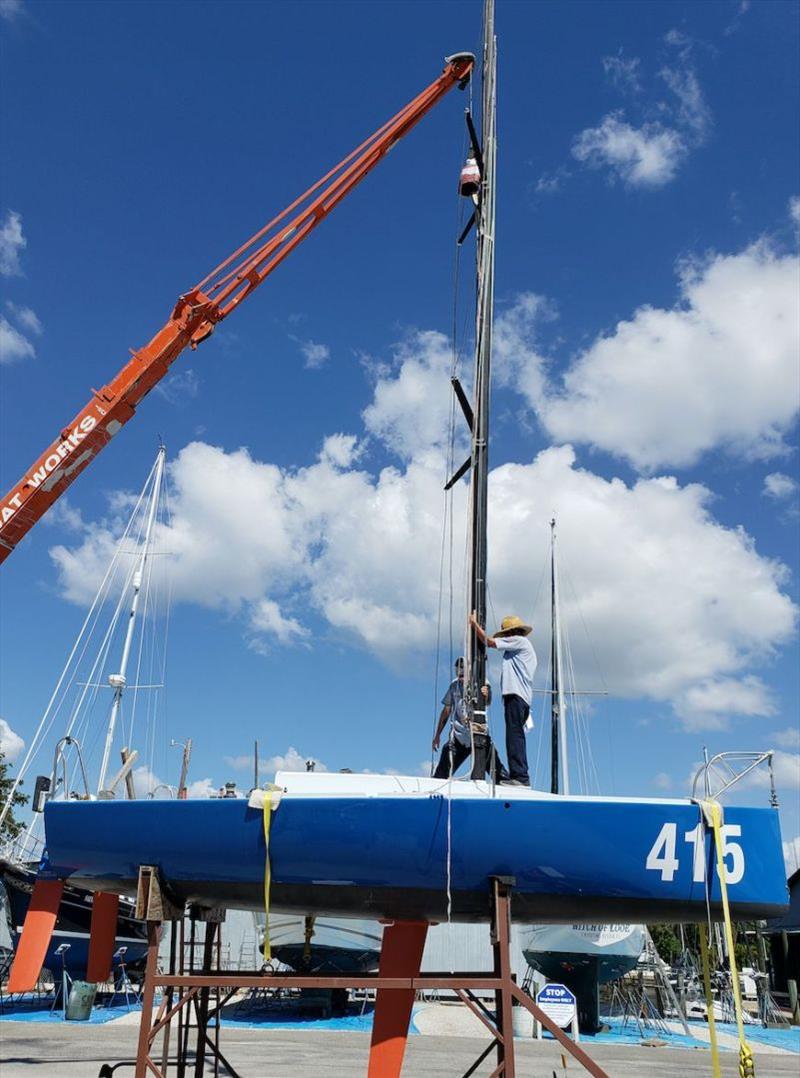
663	857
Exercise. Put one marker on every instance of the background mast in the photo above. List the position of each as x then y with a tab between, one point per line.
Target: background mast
118	681
558	730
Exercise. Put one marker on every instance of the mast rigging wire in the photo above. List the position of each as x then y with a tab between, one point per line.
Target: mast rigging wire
46	721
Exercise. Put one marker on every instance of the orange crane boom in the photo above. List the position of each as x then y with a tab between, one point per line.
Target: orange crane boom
198	311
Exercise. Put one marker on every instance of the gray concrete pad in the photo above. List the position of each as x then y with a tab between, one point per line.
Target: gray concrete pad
31	1050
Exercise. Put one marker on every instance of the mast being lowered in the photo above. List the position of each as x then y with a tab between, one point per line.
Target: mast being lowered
484	220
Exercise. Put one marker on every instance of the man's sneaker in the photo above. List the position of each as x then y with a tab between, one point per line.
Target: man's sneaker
515	782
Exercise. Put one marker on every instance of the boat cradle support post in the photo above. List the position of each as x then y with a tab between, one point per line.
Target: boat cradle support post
40	920
401	956
501	947
154	907
102	936
507	991
144	1064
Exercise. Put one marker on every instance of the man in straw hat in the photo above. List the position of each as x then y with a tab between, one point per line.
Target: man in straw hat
516	685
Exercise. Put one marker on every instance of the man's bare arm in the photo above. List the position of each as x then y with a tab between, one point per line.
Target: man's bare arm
487	641
445	715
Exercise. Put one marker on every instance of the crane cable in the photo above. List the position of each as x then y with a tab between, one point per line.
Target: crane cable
711	815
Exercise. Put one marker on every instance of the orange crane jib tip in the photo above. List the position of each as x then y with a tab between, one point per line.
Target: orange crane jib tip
199	310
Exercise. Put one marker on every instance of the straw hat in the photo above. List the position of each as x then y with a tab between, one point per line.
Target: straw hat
513	626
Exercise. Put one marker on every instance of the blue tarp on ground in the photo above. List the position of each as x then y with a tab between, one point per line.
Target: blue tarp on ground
32	1008
788	1038
285	1017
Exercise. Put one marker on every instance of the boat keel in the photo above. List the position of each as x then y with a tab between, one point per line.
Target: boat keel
401	956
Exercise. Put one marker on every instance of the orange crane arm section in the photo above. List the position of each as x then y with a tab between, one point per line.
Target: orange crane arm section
198	311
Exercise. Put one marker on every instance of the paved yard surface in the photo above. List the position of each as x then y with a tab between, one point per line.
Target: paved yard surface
31	1050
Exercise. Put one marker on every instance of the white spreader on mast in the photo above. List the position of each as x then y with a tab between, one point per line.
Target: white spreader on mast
119	680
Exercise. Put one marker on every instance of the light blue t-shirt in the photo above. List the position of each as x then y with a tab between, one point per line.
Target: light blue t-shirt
519	666
454	699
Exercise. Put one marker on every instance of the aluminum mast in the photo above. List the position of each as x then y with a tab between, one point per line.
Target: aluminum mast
118	681
485	219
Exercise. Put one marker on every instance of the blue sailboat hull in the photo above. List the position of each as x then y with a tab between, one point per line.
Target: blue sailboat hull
385	856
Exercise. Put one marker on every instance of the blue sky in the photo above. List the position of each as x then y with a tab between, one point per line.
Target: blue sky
647	316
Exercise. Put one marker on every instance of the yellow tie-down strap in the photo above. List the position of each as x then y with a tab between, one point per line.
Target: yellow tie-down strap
268	801
712	815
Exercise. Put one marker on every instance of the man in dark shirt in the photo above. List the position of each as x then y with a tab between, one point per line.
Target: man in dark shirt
459	743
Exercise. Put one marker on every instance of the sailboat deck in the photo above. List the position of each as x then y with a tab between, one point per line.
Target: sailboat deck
338	784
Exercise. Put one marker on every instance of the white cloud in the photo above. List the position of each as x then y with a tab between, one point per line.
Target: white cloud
646	156
733	26
693	114
550	182
785	771
11	744
314	354
13	344
788	738
679	608
291	760
791	855
201	788
266	618
624	73
650	570
719	370
779	486
794	209
26	317
11	10
147	783
12	242
221	558
709	705
341	450
662	781
64	515
179	386
517	364
649	154
410	413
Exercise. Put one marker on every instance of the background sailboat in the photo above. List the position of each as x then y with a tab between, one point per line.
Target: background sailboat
109	696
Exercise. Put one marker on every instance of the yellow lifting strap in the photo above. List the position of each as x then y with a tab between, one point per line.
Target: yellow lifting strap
712	1022
747	1068
267	801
